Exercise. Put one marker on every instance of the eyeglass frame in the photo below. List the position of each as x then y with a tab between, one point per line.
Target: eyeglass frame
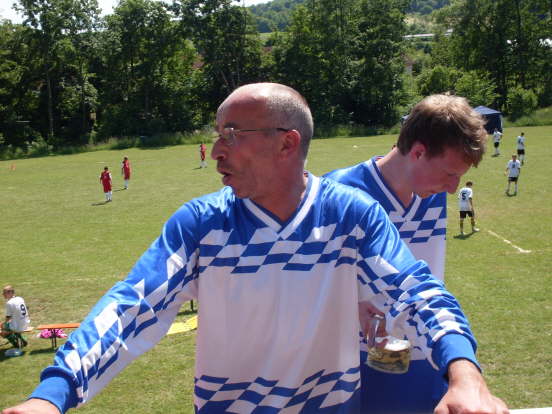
231	133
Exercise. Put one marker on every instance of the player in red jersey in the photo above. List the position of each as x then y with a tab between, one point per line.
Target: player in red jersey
125	171
202	150
105	179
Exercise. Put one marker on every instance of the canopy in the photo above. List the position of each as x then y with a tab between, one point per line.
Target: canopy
493	118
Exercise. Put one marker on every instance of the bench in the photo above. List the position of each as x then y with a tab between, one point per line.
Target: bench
53	326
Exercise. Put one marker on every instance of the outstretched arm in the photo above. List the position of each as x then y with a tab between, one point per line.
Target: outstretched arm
33	406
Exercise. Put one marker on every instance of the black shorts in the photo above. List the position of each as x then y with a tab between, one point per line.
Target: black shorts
463	214
512	179
521	152
496	144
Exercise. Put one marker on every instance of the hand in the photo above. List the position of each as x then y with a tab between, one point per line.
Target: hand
468	393
366	312
33	406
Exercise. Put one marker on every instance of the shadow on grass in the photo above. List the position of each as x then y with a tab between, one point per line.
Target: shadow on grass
511	195
465	236
48	350
103	203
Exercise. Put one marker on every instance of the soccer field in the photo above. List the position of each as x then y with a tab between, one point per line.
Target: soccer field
62	248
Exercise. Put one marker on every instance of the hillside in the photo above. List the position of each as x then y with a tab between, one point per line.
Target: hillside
276	14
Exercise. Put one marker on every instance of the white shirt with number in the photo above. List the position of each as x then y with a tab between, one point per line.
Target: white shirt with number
513	168
520	142
496	136
464	197
19	316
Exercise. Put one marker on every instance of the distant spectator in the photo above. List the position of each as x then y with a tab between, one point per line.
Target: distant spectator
17	317
106	180
125	171
465	196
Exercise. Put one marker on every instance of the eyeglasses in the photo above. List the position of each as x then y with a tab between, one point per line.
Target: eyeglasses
229	134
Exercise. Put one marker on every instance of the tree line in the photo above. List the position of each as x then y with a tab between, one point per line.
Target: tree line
69	77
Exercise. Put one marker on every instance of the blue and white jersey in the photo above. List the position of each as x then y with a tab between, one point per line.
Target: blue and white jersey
422	224
278	320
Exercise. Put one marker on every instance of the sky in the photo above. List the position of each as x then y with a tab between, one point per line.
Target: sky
6	11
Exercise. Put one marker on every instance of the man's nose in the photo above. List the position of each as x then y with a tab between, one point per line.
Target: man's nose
219	150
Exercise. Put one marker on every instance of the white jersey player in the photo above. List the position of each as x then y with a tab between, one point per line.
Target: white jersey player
521	147
497	136
17	315
465	205
513	169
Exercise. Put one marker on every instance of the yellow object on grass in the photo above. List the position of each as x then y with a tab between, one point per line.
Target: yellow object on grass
178	327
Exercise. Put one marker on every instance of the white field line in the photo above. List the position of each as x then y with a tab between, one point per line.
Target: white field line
519	249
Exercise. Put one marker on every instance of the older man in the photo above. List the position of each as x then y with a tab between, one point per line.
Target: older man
285	256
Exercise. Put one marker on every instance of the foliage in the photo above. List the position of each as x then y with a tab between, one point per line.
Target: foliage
477	89
72	80
521	102
541	117
274	15
504	38
426	6
439	79
378	48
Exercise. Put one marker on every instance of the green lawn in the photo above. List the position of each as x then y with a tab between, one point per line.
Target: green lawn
62	248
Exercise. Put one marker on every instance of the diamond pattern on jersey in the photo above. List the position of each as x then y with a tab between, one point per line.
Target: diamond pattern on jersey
214	394
420	230
262	250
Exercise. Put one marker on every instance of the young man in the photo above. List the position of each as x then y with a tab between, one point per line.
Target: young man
17	317
497	135
465	200
202	151
105	179
513	169
439	141
521	147
287	257
125	171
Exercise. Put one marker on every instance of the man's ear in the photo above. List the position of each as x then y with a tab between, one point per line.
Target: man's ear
290	143
417	151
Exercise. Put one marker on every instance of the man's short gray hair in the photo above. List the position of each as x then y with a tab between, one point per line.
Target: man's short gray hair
290	110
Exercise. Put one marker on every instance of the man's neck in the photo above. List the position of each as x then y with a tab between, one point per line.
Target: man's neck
286	196
392	168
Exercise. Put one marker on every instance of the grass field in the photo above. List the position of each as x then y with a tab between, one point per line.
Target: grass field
62	248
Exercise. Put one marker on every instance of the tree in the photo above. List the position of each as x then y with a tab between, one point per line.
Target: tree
503	38
439	79
521	102
18	87
55	27
146	72
378	48
477	89
227	42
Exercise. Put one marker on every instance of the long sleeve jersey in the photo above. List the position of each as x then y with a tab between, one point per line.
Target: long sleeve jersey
278	321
